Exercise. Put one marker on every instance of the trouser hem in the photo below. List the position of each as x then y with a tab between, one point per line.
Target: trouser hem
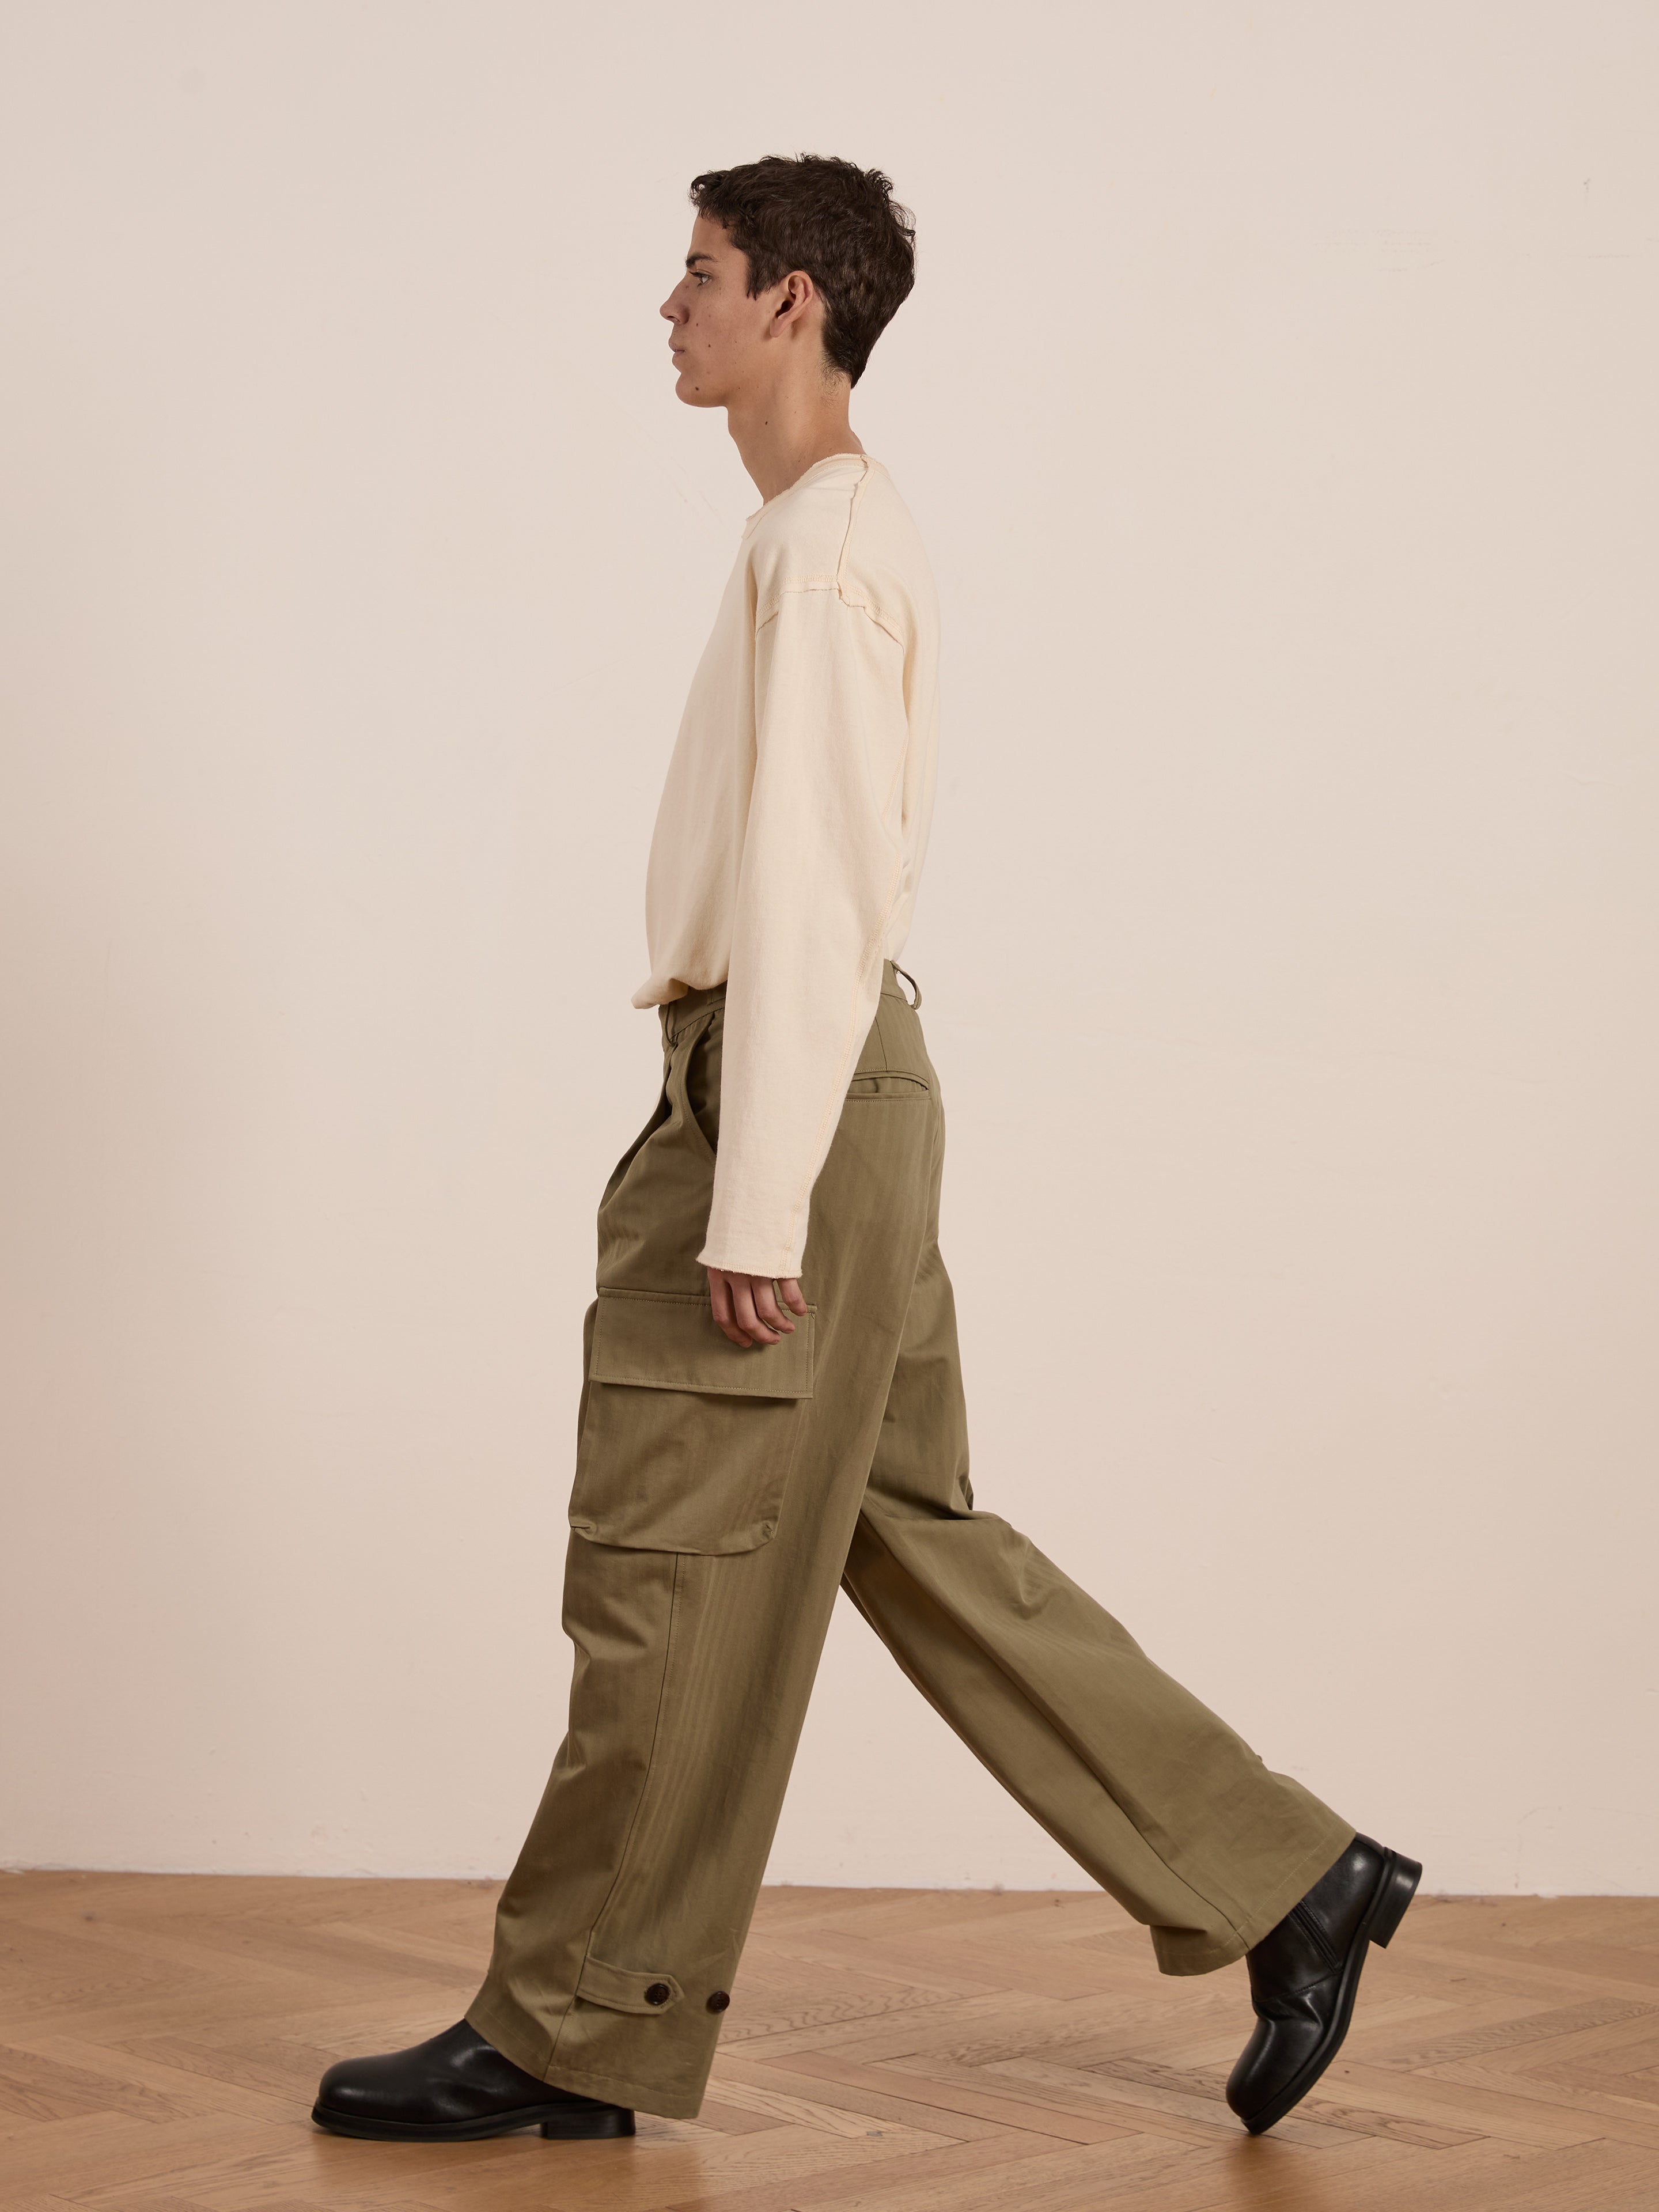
1179	1952
528	2044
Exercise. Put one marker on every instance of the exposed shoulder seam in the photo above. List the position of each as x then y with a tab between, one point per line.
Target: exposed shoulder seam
860	489
766	612
837	583
882	622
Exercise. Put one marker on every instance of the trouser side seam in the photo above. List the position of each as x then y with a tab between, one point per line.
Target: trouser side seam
639	1807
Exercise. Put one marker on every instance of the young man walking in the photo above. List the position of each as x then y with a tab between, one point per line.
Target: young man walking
772	1405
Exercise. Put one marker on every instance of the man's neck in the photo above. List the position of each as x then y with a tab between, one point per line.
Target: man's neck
781	434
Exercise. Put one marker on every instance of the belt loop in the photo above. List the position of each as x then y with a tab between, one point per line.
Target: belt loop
916	1003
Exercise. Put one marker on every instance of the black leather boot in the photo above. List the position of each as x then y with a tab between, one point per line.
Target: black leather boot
1303	1975
456	2088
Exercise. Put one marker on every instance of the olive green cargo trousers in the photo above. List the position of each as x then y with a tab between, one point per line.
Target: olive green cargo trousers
721	1496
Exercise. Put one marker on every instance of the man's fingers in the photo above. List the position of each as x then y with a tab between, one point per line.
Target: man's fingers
743	1304
745	1307
767	1307
720	1300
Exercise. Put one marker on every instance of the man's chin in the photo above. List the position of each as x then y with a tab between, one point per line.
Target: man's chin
691	393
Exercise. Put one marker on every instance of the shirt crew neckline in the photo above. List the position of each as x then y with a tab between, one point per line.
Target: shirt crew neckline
768	503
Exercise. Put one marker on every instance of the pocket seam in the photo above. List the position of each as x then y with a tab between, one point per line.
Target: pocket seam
693	1389
687	1042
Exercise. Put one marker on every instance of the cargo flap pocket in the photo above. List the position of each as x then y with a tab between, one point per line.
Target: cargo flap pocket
687	1439
622	1990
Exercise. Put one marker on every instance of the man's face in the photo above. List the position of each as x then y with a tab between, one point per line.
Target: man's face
716	332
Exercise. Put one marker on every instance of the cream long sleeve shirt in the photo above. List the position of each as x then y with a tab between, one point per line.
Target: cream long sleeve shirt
793	828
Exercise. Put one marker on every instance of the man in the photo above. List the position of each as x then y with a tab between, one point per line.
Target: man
771	1404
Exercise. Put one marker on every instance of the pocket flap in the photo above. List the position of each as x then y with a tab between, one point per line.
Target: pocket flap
669	1340
622	1990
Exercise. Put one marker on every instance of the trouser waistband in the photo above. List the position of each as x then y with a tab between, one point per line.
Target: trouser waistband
678	1012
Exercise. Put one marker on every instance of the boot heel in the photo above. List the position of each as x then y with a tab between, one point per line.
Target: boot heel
1399	1887
589	2127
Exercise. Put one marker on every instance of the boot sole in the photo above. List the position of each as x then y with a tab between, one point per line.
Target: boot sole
1396	1886
555	2122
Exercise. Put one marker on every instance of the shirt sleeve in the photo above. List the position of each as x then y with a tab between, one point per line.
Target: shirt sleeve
817	883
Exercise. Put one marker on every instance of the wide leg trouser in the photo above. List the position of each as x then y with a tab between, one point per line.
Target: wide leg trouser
721	1498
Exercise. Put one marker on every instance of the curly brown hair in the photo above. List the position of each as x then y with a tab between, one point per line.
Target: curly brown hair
838	222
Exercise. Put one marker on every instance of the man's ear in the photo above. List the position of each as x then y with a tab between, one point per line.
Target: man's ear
796	294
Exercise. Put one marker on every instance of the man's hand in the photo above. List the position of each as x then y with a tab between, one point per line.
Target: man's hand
746	1308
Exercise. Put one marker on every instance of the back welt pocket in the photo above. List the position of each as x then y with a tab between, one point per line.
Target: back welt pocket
887	1085
687	1439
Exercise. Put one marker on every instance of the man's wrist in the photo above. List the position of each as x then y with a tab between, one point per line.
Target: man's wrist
776	1268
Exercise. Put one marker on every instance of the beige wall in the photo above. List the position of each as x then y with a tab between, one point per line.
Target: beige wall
1279	402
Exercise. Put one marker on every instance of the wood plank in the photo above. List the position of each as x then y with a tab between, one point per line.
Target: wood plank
987	2102
877	2106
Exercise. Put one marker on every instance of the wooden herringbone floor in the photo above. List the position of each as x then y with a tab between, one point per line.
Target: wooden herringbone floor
886	2051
